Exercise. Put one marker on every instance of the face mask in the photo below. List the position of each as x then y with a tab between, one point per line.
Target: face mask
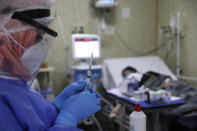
31	56
35	55
137	76
11	52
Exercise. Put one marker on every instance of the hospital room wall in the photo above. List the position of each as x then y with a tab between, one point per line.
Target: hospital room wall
188	25
134	31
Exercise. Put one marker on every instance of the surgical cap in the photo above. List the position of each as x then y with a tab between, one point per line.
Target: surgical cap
8	7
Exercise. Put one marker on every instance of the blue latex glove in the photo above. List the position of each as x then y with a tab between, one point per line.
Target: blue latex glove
78	107
70	90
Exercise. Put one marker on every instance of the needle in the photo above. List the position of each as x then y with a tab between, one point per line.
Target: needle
89	73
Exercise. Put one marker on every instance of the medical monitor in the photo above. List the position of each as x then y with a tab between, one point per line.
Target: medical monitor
85	44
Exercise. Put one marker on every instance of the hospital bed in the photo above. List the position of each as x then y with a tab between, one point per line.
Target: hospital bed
112	78
112	68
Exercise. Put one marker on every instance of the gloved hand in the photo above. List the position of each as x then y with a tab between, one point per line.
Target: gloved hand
78	107
70	90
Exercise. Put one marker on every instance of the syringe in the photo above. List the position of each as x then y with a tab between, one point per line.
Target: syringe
89	72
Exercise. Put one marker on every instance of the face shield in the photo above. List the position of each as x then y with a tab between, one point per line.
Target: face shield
24	43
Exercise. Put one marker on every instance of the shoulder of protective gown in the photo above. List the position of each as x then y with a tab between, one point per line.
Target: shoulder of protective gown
31	110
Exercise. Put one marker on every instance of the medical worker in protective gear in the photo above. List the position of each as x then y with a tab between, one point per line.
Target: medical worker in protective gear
24	42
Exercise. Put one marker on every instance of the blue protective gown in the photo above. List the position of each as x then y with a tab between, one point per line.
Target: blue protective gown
23	109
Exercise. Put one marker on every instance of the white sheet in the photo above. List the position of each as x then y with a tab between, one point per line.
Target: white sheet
112	68
115	91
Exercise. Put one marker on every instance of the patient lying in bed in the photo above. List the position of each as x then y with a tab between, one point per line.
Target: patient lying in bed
133	80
